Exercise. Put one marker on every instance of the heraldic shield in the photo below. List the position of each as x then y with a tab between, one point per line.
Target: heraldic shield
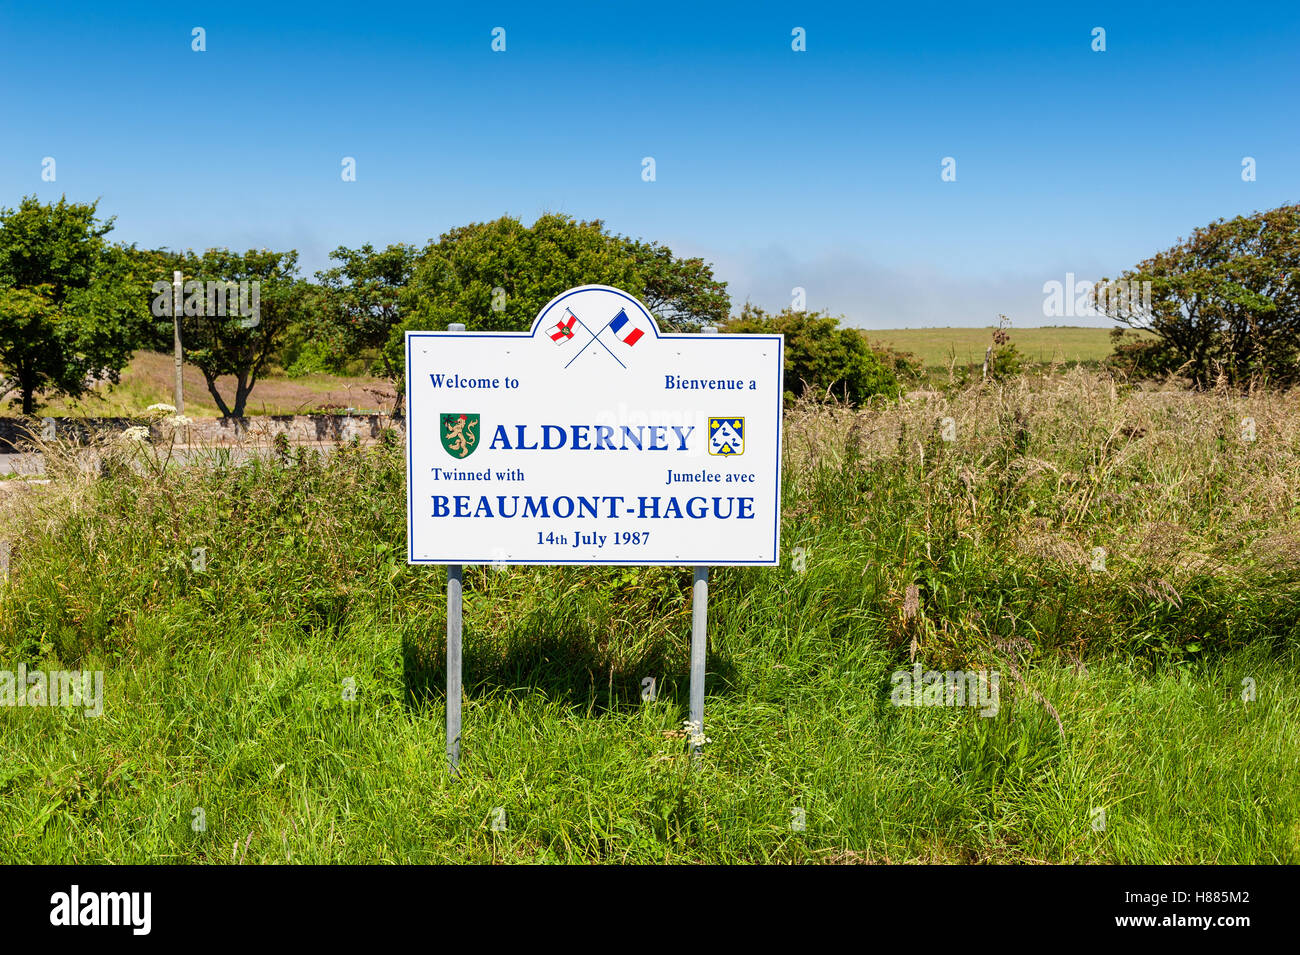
459	433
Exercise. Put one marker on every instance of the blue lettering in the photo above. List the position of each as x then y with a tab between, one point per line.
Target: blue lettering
546	437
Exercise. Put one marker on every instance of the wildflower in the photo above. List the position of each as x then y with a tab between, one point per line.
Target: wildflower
178	420
160	410
136	433
694	734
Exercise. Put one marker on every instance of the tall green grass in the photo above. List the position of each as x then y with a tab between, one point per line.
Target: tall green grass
292	689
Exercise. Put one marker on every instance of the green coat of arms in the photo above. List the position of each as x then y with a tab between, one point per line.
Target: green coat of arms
459	433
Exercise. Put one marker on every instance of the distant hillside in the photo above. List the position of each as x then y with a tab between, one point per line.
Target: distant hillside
936	347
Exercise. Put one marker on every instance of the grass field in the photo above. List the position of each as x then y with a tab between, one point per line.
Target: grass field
227	689
937	347
150	379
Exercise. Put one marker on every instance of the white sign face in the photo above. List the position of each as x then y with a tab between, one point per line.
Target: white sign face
593	439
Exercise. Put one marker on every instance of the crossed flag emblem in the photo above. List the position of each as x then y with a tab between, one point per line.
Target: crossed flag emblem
624	329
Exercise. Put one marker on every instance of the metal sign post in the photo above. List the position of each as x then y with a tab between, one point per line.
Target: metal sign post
454	631
699	639
699	649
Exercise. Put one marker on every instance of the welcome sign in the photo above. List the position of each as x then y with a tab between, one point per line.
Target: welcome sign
593	438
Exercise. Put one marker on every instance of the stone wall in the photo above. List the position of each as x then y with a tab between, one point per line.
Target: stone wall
216	432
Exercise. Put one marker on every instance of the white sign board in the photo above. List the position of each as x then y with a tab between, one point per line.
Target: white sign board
593	439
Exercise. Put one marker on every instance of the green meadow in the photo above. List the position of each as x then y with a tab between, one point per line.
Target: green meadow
940	347
1125	560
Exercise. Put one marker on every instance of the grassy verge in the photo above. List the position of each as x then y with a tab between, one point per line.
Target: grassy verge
291	689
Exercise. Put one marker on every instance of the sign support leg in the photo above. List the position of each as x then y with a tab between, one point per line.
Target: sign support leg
454	630
699	648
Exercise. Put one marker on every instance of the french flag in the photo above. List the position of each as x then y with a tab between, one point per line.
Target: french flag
623	329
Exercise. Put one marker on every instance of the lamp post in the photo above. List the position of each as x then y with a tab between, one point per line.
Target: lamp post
177	287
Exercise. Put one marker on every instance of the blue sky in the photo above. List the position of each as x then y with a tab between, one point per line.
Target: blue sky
818	169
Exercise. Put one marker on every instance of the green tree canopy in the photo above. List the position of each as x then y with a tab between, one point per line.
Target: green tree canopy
361	300
1225	301
820	357
496	276
262	296
681	293
456	277
72	306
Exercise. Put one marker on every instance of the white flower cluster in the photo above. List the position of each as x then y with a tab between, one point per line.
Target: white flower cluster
136	433
166	414
695	733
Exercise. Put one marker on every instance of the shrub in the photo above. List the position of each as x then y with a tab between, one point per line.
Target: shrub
1134	357
821	357
903	364
1005	362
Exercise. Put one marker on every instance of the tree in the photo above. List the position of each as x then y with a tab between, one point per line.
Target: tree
236	308
360	301
820	357
33	350
70	308
682	293
143	269
1225	301
496	276
459	275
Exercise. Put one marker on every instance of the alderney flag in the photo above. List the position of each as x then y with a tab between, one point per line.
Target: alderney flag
623	329
563	331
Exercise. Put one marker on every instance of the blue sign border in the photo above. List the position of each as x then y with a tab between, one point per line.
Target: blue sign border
531	333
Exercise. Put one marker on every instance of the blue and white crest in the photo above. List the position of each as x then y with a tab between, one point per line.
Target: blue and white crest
726	436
